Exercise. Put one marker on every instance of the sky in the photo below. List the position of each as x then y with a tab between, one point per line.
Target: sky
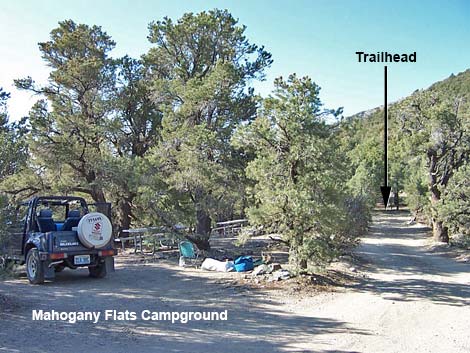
316	38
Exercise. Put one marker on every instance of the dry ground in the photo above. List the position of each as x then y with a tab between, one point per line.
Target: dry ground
407	300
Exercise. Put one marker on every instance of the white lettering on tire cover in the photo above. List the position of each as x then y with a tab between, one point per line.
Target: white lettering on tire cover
94	230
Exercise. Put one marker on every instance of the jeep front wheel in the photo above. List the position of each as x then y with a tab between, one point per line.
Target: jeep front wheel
34	267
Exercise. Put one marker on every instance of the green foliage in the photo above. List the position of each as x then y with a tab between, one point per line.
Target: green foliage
4	213
7	221
96	124
153	135
191	47
416	187
454	205
13	153
70	138
134	127
200	69
4	96
180	137
361	139
429	141
300	191
436	128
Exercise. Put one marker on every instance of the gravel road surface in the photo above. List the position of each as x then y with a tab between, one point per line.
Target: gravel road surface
407	301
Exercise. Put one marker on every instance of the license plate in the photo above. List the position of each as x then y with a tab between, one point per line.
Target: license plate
81	260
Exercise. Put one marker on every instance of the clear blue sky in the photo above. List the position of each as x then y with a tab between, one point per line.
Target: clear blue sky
317	38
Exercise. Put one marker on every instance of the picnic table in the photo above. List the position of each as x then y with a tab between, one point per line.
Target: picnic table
138	234
230	227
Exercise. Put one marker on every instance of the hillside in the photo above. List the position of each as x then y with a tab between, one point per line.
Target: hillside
458	84
428	155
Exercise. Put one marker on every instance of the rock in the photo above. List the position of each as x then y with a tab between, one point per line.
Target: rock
261	270
275	267
352	269
347	258
281	275
266	257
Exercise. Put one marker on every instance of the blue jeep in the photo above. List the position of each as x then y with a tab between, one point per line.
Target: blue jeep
54	232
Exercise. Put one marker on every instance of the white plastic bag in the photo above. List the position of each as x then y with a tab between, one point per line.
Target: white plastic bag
219	266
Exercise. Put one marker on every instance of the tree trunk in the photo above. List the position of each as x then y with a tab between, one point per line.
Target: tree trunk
295	254
98	196
203	230
96	192
440	232
201	241
124	213
203	223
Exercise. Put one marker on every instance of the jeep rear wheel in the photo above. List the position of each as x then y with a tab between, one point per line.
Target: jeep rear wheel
34	267
98	271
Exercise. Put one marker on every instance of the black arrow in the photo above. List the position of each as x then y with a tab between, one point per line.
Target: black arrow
385	189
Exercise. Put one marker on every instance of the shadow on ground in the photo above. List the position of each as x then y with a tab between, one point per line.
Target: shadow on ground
254	323
402	268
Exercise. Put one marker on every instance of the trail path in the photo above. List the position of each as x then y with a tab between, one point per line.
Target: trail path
408	301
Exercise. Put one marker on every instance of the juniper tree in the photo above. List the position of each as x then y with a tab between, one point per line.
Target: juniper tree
201	66
436	130
68	127
13	154
95	122
299	174
134	128
455	202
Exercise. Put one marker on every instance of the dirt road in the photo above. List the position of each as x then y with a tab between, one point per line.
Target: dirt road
408	301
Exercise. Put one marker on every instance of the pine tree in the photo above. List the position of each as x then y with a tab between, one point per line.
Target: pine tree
300	191
200	68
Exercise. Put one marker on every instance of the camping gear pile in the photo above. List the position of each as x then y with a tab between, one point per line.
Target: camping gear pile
271	272
241	264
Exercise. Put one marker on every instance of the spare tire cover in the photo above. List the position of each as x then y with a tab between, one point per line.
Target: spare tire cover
94	230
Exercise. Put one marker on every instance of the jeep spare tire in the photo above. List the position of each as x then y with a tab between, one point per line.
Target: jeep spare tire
94	230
